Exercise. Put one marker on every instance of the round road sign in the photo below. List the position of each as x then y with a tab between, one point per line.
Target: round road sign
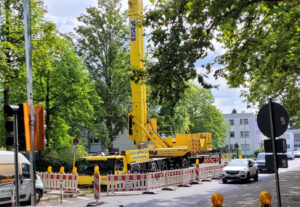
75	141
280	120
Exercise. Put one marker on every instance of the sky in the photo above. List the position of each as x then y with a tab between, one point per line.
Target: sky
64	14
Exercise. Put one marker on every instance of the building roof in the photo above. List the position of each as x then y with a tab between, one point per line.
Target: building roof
239	115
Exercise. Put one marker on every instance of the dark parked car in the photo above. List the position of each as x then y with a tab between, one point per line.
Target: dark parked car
261	163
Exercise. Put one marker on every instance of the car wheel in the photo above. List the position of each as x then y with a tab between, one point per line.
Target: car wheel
256	176
248	178
224	181
38	195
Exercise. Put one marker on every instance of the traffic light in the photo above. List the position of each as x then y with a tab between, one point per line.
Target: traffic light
23	112
9	124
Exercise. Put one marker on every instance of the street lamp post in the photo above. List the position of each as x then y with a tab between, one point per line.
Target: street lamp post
236	146
245	138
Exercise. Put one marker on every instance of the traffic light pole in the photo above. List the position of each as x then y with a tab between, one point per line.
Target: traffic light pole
28	53
16	146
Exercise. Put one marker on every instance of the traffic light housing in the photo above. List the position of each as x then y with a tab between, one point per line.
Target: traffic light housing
23	113
9	125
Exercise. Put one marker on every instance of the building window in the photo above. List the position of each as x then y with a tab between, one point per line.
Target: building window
247	147
243	121
231	122
95	141
244	134
231	135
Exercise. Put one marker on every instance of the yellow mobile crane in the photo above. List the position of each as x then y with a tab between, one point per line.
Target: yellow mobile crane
153	151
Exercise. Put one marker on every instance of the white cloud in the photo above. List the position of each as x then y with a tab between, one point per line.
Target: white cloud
64	13
226	98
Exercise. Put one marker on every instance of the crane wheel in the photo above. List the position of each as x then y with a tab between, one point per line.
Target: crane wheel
165	165
135	169
184	163
154	167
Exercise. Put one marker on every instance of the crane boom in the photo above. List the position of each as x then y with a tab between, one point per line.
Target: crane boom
138	89
142	129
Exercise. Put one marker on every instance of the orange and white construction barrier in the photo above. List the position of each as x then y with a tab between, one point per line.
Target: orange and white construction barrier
56	181
197	173
150	181
97	184
129	182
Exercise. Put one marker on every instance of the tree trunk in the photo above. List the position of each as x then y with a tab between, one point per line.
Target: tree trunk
110	137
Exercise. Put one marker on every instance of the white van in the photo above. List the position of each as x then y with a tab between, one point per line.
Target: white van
7	177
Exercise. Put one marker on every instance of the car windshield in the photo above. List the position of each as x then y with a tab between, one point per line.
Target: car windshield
242	163
86	167
261	156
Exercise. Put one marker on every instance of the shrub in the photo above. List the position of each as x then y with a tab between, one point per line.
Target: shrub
55	157
258	150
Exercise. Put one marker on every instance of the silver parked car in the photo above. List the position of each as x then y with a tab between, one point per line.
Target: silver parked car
297	153
290	155
240	169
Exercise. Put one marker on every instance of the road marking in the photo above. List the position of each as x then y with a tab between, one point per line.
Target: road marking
83	198
66	201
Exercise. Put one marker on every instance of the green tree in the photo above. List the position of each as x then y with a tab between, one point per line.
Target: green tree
261	40
193	113
103	46
12	52
234	111
61	83
204	116
262	55
258	150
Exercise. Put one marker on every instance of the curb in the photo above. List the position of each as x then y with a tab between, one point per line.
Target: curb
56	196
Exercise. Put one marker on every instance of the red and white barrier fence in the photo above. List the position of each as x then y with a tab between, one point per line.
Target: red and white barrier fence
56	181
97	187
127	182
150	181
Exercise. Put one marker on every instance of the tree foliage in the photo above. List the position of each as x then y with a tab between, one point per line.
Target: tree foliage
263	46
60	81
261	39
193	113
103	46
204	116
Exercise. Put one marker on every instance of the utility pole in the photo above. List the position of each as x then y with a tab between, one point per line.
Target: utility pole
28	54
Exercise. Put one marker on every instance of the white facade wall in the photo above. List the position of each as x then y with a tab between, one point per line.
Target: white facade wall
122	142
243	131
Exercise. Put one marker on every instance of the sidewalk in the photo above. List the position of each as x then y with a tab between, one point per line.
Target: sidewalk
289	188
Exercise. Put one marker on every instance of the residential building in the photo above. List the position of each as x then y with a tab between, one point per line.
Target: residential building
243	131
292	137
296	140
122	142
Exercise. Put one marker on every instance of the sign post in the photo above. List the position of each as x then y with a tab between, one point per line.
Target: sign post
273	120
75	149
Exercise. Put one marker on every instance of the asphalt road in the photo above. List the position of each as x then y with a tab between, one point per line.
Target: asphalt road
235	193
